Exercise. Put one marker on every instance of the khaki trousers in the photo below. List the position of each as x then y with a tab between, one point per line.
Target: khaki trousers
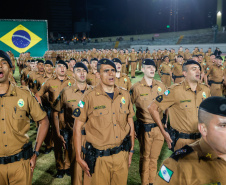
124	68
166	80
111	170
150	147
133	68
17	173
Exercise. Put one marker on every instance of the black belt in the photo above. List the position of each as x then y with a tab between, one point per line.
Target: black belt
165	73
148	127
125	146
26	153
213	82
123	62
189	136
178	76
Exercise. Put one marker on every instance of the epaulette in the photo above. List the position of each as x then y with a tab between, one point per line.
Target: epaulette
122	88
178	154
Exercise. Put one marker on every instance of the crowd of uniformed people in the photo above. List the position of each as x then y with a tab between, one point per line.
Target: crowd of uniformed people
83	105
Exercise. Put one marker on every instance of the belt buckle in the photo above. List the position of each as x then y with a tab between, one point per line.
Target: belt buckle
7	160
101	152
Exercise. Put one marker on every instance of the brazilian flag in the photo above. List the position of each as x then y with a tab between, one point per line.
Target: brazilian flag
24	35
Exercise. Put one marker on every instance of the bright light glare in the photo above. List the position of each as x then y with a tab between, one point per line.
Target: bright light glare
219	13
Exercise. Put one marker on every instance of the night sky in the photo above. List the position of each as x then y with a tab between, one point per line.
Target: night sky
122	17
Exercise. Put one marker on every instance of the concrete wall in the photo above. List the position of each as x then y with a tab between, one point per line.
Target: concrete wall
176	47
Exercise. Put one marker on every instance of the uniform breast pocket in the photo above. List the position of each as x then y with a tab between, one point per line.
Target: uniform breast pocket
123	117
19	120
186	106
101	118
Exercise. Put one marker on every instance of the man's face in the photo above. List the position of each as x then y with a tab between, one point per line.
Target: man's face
86	63
40	67
118	66
132	50
193	73
94	64
179	60
195	59
94	50
216	134
201	50
48	68
33	66
218	62
212	57
166	59
149	71
61	70
72	63
107	75
4	70
80	74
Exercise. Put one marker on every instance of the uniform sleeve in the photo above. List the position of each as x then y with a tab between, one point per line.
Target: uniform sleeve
160	68
129	83
58	103
208	70
81	113
166	100
170	173
133	94
37	112
43	89
130	107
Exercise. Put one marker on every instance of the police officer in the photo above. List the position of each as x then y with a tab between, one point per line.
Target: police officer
53	87
183	99
177	72
149	134
216	74
121	80
92	79
123	59
164	71
71	65
68	100
108	113
133	60
202	162
17	160
24	73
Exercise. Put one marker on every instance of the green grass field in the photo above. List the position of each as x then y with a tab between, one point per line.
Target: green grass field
45	167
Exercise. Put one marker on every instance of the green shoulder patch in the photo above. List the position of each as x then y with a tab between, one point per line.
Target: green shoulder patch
77	112
165	173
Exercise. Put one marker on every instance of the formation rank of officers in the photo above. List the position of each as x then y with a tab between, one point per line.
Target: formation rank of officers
84	101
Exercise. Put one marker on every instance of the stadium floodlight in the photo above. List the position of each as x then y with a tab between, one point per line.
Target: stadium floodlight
219	13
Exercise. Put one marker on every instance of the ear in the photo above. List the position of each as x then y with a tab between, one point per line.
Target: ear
184	73
202	129
142	69
97	75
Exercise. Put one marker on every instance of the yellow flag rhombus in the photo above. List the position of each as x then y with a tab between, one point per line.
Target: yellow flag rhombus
20	39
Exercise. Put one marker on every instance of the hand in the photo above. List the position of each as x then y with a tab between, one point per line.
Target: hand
33	162
84	166
130	158
168	139
62	141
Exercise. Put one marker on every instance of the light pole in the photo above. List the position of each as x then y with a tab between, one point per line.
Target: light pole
219	13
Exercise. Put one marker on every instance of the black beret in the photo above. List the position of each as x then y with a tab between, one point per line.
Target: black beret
189	62
219	57
93	59
40	61
106	62
165	57
49	62
148	61
84	60
72	59
195	56
116	60
4	55
214	105
62	62
66	61
80	64
212	54
180	56
32	61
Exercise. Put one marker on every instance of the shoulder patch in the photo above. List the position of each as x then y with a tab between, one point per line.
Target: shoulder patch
159	98
77	112
181	152
165	173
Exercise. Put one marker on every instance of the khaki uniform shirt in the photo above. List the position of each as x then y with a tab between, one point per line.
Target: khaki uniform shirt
54	86
181	53
91	79
154	56
215	73
33	80
183	104
115	55
24	74
106	119
148	55
16	106
177	69
142	95
165	53
196	164
93	55
68	100
70	74
159	55
187	55
123	58
133	57
165	68
172	56
123	81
